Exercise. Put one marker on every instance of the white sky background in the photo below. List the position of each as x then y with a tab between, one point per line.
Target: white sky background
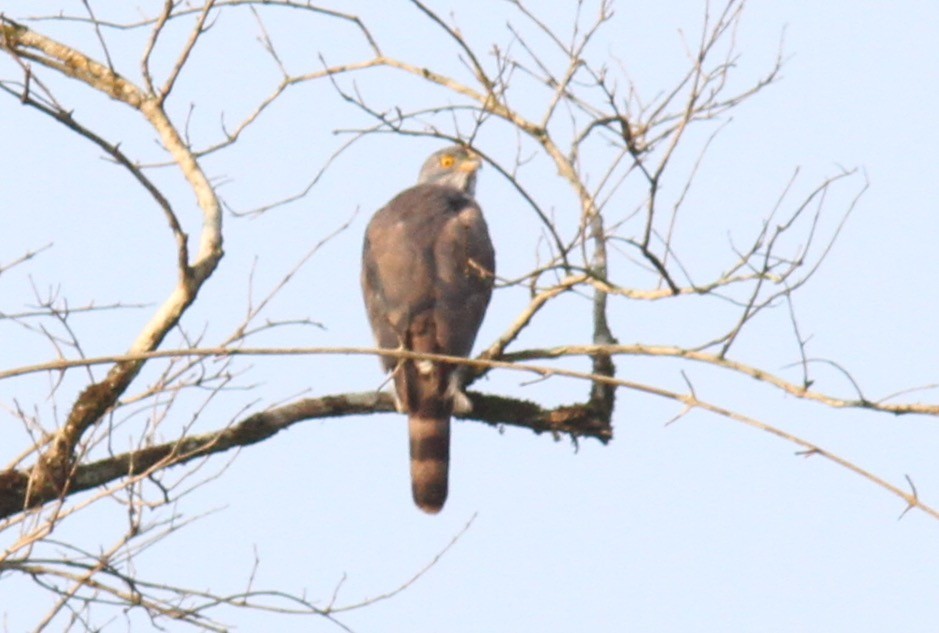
701	525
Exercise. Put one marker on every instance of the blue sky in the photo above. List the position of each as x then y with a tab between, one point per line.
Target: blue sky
700	525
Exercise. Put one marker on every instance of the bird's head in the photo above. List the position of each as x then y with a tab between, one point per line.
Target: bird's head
454	167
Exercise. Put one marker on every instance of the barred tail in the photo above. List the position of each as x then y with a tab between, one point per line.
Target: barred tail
430	461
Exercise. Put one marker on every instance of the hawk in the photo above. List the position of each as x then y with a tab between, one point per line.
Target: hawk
427	272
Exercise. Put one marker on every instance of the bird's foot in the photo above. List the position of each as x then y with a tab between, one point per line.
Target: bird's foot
461	402
399	406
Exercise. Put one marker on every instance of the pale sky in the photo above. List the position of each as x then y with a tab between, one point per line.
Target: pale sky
700	525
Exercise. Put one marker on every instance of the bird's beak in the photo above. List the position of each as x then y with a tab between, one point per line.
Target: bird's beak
471	164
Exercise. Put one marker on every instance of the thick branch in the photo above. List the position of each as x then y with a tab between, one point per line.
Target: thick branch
576	420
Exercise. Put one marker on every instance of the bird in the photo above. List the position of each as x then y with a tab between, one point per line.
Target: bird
428	269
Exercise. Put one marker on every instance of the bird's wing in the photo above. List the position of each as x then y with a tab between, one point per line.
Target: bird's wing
397	274
464	274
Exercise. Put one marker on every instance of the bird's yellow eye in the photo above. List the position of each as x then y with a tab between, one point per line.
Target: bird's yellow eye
446	161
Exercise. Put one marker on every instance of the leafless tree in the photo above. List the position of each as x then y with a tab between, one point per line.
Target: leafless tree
627	160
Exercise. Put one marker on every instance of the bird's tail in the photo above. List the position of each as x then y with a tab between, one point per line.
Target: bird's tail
430	460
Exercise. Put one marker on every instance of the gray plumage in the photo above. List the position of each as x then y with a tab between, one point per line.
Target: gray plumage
427	272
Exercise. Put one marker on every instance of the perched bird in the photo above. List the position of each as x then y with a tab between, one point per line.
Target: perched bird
427	272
